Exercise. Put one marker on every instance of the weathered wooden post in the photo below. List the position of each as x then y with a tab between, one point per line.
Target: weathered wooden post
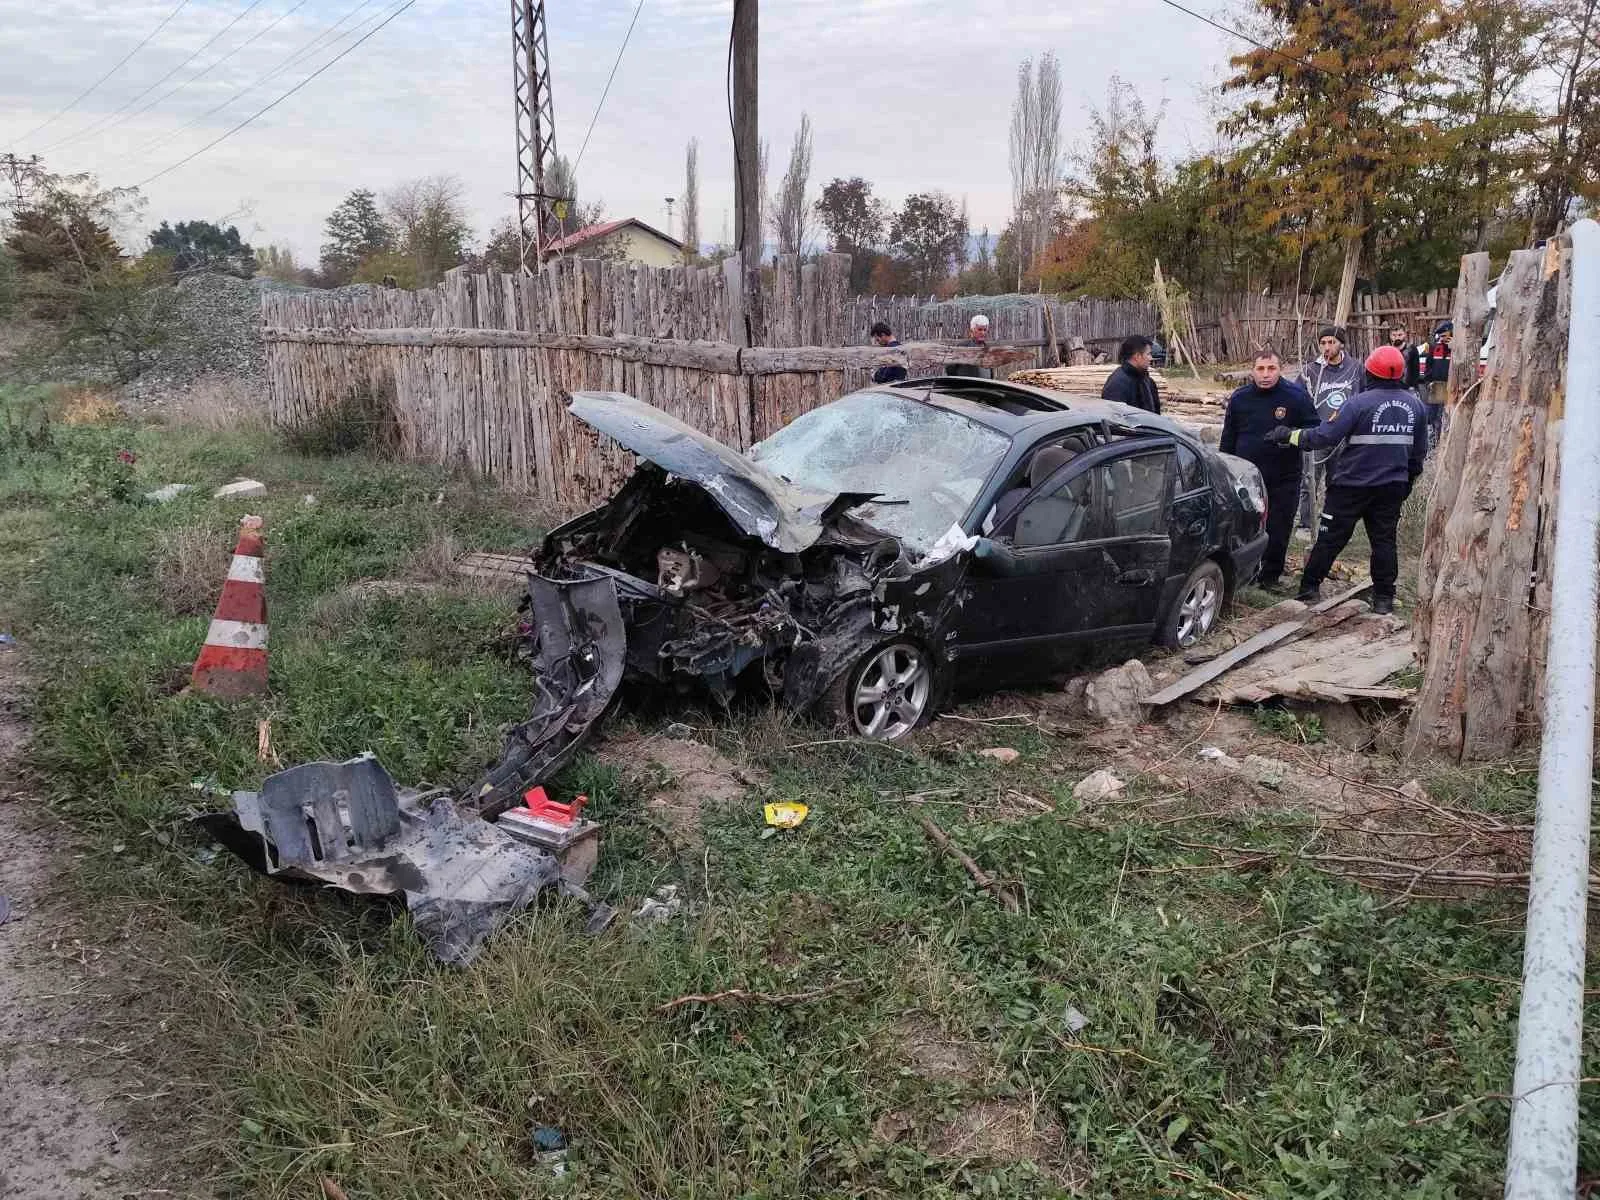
1482	613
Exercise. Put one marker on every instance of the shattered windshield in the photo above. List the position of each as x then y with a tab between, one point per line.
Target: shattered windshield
926	463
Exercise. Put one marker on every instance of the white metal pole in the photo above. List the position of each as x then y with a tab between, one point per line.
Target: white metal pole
1543	1159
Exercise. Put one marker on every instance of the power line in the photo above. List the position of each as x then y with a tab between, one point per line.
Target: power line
297	56
268	108
111	117
1300	62
242	46
122	62
607	90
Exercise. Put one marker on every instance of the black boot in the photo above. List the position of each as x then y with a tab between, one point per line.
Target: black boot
1311	595
1383	606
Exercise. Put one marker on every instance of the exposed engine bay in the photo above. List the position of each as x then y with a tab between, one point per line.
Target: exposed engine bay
703	601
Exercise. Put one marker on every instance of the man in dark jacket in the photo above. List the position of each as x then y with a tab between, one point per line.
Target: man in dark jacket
1130	383
1254	411
1385	441
1400	339
883	336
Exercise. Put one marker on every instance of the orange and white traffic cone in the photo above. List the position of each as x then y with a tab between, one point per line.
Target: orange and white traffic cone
233	662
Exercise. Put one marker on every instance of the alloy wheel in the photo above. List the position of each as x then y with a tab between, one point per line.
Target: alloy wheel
1198	611
891	692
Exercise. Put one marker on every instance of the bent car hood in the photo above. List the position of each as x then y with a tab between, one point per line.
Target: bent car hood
785	516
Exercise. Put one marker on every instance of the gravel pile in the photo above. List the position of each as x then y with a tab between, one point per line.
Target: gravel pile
218	319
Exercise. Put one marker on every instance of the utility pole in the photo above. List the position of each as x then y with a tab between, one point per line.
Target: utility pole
536	126
746	161
24	173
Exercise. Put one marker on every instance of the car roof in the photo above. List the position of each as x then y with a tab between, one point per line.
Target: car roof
1016	408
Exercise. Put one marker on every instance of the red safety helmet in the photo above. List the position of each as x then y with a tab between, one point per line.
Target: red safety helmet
1386	362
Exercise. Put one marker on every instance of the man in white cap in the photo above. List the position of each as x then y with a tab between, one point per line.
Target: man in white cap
977	335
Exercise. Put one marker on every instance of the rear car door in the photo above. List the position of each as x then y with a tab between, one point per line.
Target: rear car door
1091	550
1192	507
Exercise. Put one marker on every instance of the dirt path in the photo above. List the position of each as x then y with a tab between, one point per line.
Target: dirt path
79	1109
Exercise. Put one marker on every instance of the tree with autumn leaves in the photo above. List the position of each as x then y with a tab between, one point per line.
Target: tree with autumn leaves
1368	140
1335	117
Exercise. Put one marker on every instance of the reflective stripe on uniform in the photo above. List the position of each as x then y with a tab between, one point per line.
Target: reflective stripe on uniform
1382	439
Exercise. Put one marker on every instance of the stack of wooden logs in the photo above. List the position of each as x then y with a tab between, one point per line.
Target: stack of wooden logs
1087	381
1190	402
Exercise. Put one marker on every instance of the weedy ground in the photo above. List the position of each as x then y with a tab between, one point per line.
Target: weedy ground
1265	1032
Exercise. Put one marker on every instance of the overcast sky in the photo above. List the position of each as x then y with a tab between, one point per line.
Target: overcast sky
911	94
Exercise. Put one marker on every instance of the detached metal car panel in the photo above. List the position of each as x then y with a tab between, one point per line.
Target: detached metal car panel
902	541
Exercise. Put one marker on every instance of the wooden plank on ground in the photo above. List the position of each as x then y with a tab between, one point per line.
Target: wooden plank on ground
1214	669
494	566
1360	655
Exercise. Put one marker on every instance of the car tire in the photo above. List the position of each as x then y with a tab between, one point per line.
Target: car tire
1196	609
886	694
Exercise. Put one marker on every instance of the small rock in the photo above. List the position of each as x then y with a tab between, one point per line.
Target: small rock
680	732
308	500
1102	785
1268	772
1004	755
1074	695
1074	1020
1117	696
1221	759
164	495
240	489
892	1126
1415	791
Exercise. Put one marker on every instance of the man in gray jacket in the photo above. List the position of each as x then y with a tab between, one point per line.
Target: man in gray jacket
1329	379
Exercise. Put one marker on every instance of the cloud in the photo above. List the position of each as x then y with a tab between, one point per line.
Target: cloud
911	94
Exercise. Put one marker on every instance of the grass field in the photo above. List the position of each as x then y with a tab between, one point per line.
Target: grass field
1263	1033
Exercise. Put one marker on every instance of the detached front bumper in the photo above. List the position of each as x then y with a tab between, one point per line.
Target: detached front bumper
582	649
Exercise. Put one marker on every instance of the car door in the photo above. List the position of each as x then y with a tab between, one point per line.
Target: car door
1192	505
1089	551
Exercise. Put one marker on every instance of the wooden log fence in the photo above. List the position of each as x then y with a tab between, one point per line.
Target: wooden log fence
477	371
1228	328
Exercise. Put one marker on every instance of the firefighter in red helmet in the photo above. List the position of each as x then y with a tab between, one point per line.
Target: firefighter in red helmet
1382	436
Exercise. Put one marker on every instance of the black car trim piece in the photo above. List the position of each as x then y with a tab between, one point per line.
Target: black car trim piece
1071	635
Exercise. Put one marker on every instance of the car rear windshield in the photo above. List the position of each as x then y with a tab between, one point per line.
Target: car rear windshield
926	463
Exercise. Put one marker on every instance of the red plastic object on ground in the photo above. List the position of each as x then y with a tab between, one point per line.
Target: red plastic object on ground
545	809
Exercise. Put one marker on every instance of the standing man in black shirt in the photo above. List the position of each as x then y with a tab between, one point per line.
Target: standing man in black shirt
1130	383
1254	411
883	337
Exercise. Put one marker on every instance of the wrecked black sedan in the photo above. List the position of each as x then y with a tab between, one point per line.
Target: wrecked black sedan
889	547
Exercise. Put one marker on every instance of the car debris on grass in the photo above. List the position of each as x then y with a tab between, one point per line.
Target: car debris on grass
864	561
347	825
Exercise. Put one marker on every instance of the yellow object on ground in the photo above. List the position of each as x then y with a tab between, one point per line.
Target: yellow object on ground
786	815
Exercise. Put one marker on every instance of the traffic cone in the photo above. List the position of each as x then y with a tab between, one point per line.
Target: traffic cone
233	662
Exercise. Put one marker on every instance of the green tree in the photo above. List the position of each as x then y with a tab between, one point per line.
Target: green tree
1335	116
430	223
355	230
1570	141
278	262
928	234
390	267
1493	53
504	251
202	246
854	219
